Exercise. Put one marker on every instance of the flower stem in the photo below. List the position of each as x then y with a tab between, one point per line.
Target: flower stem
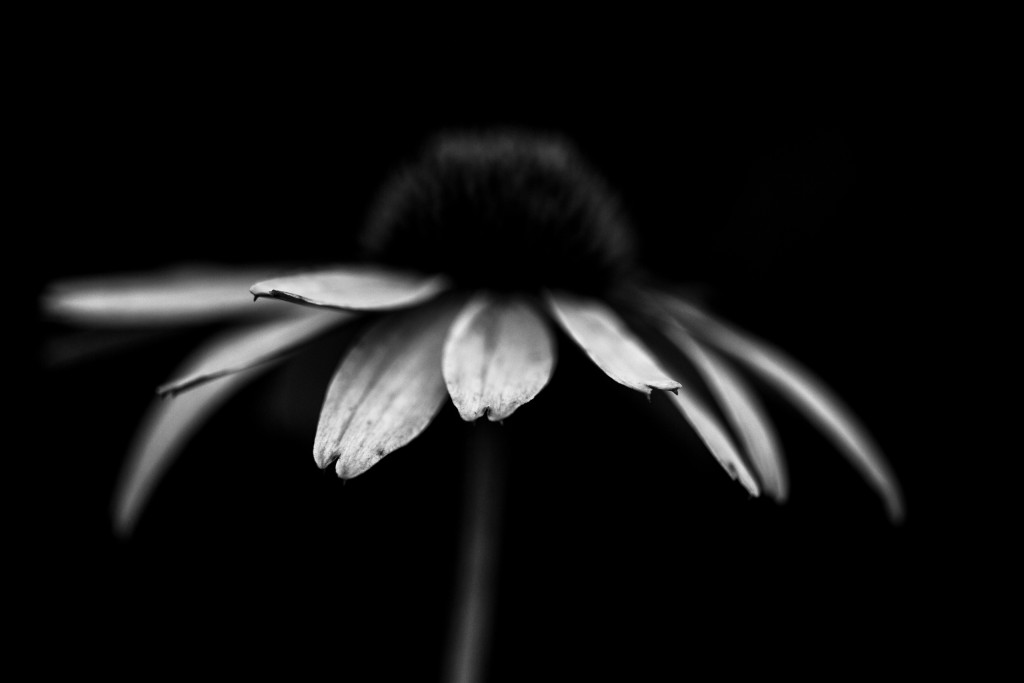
478	557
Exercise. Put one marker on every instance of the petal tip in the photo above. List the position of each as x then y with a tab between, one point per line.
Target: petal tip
323	459
346	471
352	465
260	291
124	519
895	509
744	479
499	415
469	414
779	493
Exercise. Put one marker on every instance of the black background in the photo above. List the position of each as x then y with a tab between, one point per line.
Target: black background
796	197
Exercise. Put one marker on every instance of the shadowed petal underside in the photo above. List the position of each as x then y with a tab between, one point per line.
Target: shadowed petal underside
269	341
809	394
356	288
184	295
498	356
607	341
741	408
386	391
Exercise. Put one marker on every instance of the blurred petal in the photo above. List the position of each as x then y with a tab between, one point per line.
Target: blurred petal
741	408
171	422
193	294
807	392
268	341
714	436
498	356
607	341
357	288
386	391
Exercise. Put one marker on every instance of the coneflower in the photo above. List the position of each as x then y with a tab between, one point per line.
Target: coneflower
477	255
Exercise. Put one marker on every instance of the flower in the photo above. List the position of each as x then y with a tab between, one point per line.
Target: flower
478	252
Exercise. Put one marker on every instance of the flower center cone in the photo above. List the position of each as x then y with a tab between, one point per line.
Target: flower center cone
503	211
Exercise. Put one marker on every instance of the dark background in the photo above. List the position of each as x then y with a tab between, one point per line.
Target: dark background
798	198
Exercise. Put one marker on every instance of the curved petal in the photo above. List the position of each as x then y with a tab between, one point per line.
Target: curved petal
499	355
607	341
178	296
267	342
714	436
741	408
171	422
808	393
356	288
386	391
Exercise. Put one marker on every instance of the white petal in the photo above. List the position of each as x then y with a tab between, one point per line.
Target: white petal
741	408
498	356
357	288
607	341
714	436
265	342
807	393
194	294
386	391
171	422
